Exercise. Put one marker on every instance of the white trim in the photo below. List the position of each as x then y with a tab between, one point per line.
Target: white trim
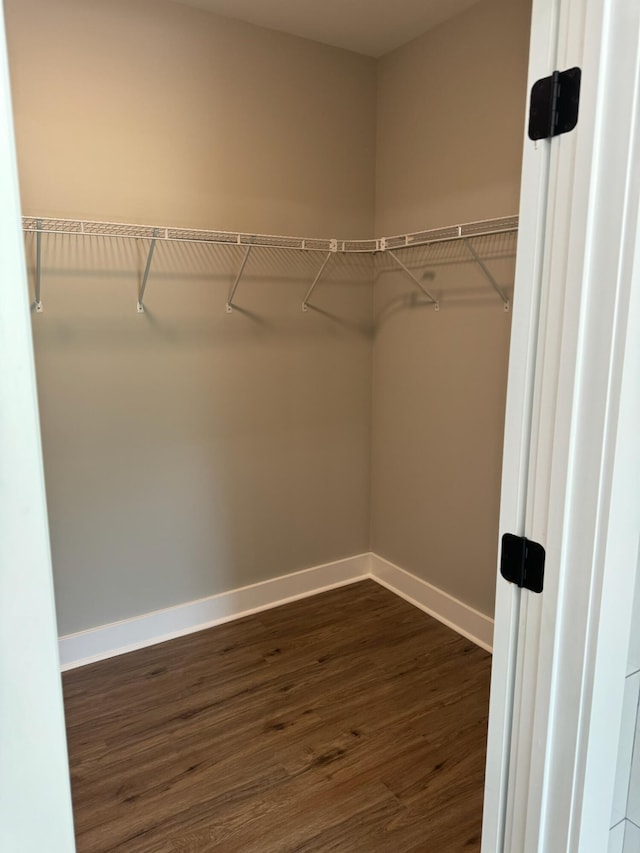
472	624
582	499
519	416
128	635
117	638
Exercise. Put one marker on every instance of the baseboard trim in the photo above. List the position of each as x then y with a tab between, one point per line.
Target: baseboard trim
138	632
455	614
148	629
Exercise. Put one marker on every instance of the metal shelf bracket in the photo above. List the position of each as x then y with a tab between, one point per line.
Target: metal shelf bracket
494	284
333	249
38	303
145	275
235	284
466	232
413	278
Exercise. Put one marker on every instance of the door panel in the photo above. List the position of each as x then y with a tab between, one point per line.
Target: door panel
35	797
568	669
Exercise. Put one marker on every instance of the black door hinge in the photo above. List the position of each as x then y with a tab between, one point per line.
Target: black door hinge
522	562
553	108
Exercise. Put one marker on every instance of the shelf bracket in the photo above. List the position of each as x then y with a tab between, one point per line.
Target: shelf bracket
413	278
332	251
38	303
145	274
494	284
235	284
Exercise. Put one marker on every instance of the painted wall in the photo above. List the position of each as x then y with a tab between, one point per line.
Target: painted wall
188	451
450	120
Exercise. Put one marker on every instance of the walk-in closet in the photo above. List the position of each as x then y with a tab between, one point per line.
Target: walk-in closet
271	262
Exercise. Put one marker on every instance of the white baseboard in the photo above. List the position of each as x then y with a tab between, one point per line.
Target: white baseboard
117	638
472	624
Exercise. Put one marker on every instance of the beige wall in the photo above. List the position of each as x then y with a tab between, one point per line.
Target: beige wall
450	117
137	110
188	451
449	143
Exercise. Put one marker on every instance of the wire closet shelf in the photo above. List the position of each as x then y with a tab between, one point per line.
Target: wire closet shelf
328	246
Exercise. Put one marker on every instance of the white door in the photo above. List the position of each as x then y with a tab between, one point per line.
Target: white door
571	460
35	799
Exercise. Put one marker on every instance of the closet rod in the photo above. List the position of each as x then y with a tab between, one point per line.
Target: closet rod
481	228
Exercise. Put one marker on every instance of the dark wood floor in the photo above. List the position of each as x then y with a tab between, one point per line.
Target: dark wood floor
349	721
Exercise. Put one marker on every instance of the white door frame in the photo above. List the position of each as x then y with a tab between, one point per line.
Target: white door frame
35	798
572	484
571	469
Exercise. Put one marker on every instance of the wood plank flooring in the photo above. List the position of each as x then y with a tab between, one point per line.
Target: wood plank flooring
350	721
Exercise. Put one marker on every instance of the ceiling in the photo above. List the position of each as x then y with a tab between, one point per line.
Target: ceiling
370	27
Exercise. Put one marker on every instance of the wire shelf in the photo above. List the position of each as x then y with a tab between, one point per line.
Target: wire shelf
47	225
358	246
329	247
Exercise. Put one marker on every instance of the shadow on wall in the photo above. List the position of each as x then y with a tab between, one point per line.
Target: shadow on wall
450	274
117	260
189	451
439	388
